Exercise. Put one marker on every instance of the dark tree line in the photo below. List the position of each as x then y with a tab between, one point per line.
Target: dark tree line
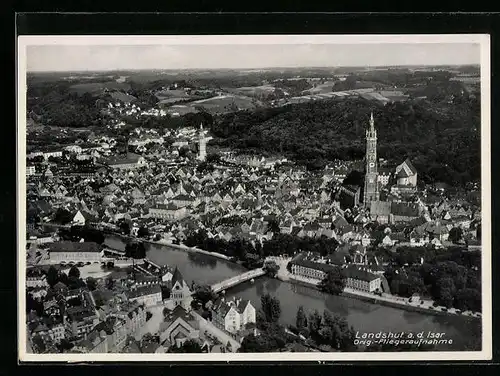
61	107
441	139
75	233
279	244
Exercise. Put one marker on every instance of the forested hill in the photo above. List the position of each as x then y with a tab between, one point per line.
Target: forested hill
442	139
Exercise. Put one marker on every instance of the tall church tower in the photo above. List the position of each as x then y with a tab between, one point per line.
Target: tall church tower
202	144
371	192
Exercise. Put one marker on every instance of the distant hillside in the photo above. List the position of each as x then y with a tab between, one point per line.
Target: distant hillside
96	88
441	139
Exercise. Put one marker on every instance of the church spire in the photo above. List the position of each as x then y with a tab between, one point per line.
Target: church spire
202	154
371	192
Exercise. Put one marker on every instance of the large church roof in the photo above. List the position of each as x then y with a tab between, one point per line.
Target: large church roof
177	277
380	208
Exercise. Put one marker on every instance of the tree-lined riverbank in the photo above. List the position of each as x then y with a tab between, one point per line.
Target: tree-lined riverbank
362	315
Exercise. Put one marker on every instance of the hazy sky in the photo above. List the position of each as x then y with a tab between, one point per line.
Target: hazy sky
190	56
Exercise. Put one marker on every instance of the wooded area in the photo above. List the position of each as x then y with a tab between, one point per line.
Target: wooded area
441	139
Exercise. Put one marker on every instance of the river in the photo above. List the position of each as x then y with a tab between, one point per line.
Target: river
465	333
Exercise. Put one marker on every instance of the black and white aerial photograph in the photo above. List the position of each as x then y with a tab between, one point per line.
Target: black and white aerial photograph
254	198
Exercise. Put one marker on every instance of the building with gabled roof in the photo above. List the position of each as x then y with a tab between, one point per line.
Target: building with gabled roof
48	329
436	230
406	174
404	212
168	212
179	326
149	295
233	315
134	315
180	294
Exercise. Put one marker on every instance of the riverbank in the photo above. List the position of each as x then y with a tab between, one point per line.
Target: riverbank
394	302
364	316
183	247
285	276
165	243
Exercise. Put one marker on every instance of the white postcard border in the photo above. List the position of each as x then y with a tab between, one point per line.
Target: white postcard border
482	39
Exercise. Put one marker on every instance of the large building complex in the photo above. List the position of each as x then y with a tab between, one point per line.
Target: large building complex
67	251
358	277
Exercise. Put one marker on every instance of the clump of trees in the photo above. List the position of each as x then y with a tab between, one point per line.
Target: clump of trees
315	329
135	250
189	346
334	281
451	277
456	234
331	330
34	305
72	279
75	233
270	309
325	329
143	232
124	227
273	336
62	216
301	322
203	294
271	268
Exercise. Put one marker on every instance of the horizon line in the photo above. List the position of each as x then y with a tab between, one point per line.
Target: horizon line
249	68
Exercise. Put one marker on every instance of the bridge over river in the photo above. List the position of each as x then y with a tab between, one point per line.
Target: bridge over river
233	281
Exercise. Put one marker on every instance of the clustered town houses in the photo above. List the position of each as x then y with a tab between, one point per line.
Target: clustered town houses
115	320
159	185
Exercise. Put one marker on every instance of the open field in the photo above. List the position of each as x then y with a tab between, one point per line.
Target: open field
320	89
216	105
165	94
181	109
123	97
253	90
167	101
225	102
